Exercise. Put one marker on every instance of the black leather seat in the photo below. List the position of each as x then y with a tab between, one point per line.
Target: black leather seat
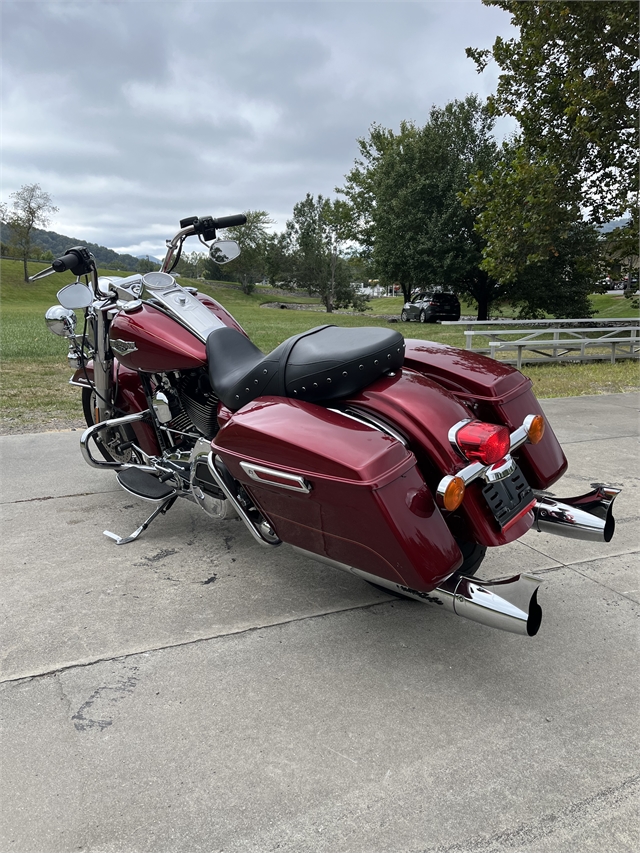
319	365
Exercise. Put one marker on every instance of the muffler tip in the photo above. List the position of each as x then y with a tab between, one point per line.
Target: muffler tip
535	616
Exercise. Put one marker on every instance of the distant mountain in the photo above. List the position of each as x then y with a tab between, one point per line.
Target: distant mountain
611	226
59	243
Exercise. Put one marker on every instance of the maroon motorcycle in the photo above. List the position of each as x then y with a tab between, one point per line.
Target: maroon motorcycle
399	461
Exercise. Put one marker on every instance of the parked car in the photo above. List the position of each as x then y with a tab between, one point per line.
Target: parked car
427	307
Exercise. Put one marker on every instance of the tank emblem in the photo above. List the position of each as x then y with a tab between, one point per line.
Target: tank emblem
123	347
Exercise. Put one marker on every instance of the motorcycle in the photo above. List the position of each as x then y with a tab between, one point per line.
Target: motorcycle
400	461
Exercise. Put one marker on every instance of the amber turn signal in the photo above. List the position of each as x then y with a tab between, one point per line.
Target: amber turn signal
535	429
453	493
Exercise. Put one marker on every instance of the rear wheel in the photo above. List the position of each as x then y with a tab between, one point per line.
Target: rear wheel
109	440
423	317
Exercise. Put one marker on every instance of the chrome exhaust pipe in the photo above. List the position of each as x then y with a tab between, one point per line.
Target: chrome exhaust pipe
509	604
588	516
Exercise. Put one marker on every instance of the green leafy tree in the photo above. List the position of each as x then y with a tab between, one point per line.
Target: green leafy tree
404	200
252	238
147	265
570	79
536	242
31	206
315	237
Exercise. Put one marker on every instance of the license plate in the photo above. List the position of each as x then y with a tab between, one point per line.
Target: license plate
509	498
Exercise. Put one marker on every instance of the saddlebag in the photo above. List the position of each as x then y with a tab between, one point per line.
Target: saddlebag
341	489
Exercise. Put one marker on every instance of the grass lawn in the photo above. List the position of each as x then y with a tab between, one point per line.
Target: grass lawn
34	389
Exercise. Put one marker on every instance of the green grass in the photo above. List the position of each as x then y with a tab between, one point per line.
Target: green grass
34	389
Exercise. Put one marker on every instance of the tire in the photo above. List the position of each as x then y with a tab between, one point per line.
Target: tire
423	317
108	447
472	556
404	316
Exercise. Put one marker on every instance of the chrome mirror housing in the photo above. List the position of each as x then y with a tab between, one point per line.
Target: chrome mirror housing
223	251
61	321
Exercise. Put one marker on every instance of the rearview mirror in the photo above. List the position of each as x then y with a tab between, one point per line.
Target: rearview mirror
223	251
75	295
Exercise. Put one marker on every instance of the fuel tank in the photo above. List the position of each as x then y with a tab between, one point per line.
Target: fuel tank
149	339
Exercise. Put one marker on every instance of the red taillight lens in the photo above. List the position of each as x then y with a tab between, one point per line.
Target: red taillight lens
482	442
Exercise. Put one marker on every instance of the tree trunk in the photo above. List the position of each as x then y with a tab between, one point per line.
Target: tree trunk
483	307
26	271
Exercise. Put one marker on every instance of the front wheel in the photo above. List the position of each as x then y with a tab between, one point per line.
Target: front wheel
404	316
109	440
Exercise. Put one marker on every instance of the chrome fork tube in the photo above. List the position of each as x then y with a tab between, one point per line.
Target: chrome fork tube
102	367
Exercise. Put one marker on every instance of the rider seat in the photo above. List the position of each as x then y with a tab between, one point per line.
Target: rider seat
322	364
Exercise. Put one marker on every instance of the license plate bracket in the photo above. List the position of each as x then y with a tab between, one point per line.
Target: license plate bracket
509	498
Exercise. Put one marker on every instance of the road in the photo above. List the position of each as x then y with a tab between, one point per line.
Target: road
193	691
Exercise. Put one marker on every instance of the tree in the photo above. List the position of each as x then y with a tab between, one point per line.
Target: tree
404	197
571	81
147	265
252	239
535	240
315	236
31	207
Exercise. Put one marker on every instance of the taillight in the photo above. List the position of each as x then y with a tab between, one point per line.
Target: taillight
487	443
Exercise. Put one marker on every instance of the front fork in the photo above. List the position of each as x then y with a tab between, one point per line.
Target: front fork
102	369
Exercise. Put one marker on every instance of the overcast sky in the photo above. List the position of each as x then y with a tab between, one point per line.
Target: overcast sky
135	114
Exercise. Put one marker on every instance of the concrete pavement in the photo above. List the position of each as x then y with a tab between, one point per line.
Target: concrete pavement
193	691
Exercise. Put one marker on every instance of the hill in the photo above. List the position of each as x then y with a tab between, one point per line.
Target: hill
51	241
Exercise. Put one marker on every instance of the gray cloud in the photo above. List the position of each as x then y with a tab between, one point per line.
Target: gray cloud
135	114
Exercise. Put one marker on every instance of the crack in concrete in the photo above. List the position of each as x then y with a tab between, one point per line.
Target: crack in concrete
572	567
56	497
571	817
239	632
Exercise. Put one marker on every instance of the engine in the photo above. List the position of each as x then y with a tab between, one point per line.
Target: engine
192	404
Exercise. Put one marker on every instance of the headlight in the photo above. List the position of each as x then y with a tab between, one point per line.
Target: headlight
61	321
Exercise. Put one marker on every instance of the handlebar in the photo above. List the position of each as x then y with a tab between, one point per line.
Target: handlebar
66	262
230	221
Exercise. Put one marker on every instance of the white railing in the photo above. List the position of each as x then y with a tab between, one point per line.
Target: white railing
553	340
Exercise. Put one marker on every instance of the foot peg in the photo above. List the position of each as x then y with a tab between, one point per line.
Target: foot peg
144	485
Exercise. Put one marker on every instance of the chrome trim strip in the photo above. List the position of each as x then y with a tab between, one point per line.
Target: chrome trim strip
295	482
370	420
453	435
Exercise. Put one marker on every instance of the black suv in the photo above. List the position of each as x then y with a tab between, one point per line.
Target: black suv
432	306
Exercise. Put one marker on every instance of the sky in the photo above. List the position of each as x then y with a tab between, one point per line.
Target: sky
135	114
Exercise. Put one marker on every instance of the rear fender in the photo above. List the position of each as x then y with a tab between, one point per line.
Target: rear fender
425	412
493	392
129	400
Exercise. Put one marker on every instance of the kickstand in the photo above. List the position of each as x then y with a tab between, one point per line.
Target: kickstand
162	509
